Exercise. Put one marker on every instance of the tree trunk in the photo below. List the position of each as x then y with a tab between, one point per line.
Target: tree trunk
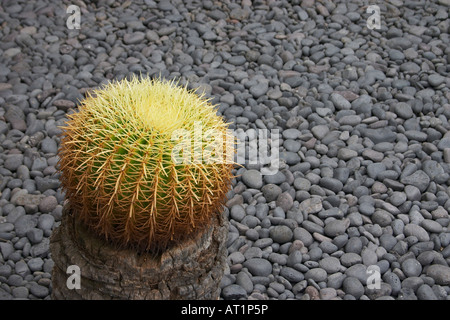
190	270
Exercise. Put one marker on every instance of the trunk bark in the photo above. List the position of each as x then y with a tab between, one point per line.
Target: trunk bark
190	270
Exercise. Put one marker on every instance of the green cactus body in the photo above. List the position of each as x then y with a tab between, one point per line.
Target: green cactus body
118	171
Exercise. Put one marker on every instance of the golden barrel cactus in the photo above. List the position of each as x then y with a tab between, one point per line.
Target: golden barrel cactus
120	163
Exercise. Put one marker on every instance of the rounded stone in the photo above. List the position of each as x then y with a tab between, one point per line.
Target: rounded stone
316	274
48	204
244	280
336	227
411	267
38	290
431	226
354	245
237	212
425	292
440	274
303	235
20	292
46	221
281	234
330	264
35	264
353	286
397	198
340	102
24	224
291	274
403	110
258	267
285	201
253	179
416	231
133	38
233	292
48	145
271	192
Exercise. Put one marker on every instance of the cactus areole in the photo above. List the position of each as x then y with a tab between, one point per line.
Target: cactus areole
121	169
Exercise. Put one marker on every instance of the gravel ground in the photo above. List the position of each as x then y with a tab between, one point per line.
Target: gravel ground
364	134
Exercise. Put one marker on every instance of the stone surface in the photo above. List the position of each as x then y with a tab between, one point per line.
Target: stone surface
440	274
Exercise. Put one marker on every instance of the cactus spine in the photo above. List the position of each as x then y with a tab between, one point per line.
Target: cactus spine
118	170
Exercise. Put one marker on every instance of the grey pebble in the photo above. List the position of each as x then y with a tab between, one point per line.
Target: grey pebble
252	178
41	249
292	275
340	102
315	228
350	258
379	135
425	292
237	212
48	145
15	280
294	258
336	227
417	231
35	235
258	267
403	110
354	245
13	161
24	224
285	201
335	280
48	204
418	179
397	198
281	234
412	283
259	89
435	79
440	273
312	205
381	217
20	292
38	290
332	184
346	154
133	38
431	226
316	274
369	257
353	287
243	280
303	235
271	191
46	221
330	264
6	249
367	208
35	264
411	267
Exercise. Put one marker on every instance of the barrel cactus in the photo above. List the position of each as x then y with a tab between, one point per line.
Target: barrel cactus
120	163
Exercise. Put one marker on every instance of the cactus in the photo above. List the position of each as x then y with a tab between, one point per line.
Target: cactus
119	171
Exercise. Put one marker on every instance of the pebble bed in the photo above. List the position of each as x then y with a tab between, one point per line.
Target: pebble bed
363	117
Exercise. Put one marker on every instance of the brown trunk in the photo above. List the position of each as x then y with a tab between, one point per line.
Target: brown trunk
190	270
